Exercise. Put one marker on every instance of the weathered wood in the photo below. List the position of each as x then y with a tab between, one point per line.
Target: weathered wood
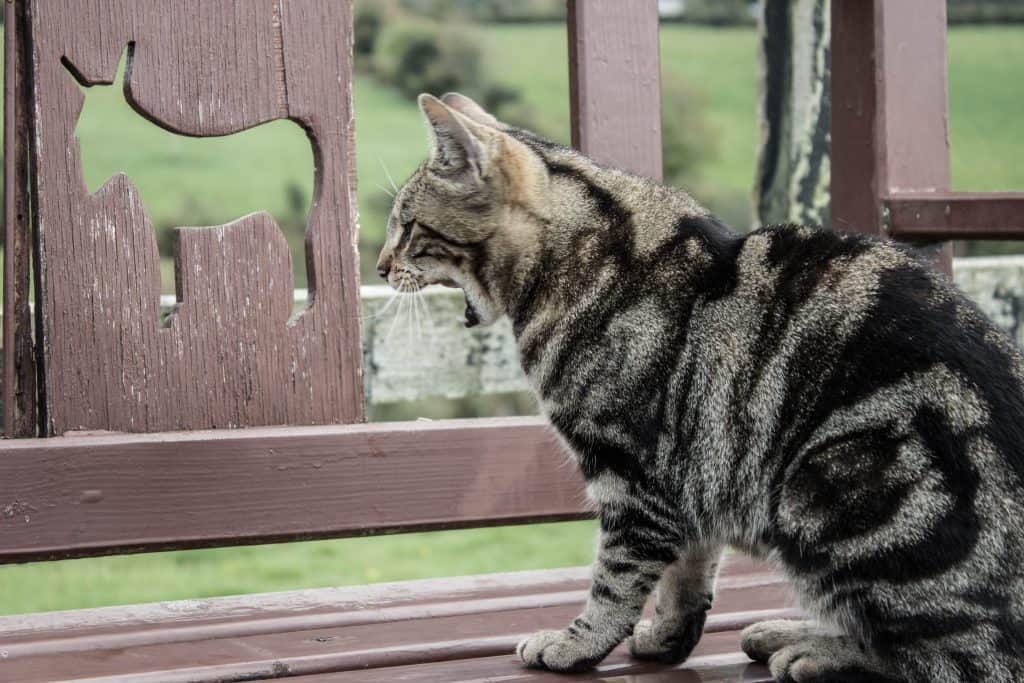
356	629
231	355
19	373
91	495
615	83
956	215
715	661
889	115
793	163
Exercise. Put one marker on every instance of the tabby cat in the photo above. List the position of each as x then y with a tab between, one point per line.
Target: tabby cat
817	398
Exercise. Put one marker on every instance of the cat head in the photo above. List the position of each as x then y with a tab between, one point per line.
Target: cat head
465	215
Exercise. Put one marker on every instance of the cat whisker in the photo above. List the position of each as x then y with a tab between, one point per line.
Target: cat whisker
416	310
394	320
426	308
383	310
388	174
385	190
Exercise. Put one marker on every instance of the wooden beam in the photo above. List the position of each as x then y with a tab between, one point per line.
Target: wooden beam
956	215
75	496
889	108
19	372
615	83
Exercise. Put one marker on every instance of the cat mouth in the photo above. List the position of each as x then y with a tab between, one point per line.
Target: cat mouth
472	317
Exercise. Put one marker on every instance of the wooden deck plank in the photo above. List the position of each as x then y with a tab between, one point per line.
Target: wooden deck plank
348	604
333	630
717	659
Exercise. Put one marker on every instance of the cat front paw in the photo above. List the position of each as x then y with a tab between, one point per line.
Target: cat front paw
558	651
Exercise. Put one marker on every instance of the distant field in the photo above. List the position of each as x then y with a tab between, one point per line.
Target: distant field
187	181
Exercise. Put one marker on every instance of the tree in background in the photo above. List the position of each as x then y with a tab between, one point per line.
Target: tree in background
792	182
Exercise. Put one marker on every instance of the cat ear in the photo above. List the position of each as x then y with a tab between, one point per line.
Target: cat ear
457	144
471	109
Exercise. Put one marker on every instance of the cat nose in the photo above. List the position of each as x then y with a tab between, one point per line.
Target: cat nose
383	269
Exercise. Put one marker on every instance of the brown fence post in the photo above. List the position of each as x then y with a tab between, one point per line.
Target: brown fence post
19	391
890	130
615	83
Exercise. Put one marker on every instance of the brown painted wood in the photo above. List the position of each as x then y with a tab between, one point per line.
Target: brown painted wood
19	373
957	215
615	83
889	108
715	660
252	615
230	356
88	495
347	629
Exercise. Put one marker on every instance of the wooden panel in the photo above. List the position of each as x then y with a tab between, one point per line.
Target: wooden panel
377	628
230	356
615	83
19	373
88	495
889	108
958	215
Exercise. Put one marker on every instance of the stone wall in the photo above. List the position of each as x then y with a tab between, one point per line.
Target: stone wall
414	352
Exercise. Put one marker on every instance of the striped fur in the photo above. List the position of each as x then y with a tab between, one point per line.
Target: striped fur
818	398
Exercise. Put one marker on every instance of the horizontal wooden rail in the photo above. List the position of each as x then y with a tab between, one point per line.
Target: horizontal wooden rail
77	496
956	215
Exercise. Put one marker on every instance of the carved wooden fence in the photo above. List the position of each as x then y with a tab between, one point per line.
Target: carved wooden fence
233	355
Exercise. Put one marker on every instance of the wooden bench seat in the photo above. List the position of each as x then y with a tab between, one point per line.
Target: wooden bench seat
451	629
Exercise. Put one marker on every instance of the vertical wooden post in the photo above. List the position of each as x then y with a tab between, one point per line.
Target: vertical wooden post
889	108
615	83
19	378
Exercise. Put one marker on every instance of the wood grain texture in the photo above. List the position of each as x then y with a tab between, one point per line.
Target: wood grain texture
231	355
88	495
615	83
19	373
716	660
359	629
956	215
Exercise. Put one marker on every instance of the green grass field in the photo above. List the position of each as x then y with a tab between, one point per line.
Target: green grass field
184	181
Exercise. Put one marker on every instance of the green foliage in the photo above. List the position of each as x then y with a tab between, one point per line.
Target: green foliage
687	140
423	56
418	55
985	11
368	21
490	10
719	12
